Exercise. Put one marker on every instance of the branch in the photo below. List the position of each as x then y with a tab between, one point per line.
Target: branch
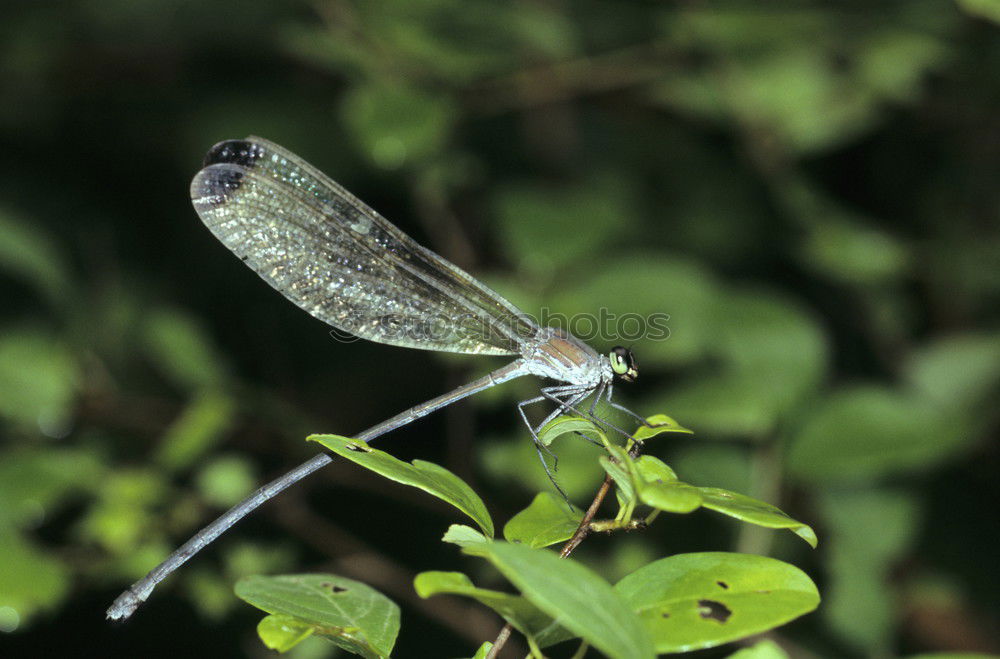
561	81
582	531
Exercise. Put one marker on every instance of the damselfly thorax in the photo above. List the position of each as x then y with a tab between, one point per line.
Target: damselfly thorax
558	355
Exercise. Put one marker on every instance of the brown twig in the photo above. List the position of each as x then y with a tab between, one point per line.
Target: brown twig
582	531
555	82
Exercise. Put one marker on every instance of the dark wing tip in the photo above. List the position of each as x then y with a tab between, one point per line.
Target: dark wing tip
238	152
216	184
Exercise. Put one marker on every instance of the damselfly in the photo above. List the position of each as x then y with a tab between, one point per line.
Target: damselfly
345	264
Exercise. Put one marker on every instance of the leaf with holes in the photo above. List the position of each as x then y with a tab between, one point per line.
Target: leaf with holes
348	613
694	601
546	521
427	476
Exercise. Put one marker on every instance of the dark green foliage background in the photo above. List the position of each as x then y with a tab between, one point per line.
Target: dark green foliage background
809	190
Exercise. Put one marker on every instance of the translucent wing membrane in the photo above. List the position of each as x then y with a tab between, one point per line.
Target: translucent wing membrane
338	259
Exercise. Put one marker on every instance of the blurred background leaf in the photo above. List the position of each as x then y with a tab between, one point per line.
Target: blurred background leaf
27	254
38	377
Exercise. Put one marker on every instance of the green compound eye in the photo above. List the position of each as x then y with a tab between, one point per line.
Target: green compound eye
623	363
618	363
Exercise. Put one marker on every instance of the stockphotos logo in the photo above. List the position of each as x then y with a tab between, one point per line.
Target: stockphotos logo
604	326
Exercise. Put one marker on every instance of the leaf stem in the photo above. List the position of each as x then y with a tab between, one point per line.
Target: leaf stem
611	525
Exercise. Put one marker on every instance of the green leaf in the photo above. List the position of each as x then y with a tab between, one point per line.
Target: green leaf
619	467
773	356
765	334
652	469
715	465
210	591
862	616
545	29
789	87
653	483
988	9
199	427
38	378
693	601
876	526
352	615
225	480
657	425
751	510
515	609
396	124
766	649
34	482
564	425
844	248
840	243
282	633
578	598
182	349
726	404
431	42
546	521
730	31
656	485
245	558
427	476
515	460
870	529
123	519
581	220
464	536
895	62
31	580
864	432
29	254
672	497
956	372
648	287
483	650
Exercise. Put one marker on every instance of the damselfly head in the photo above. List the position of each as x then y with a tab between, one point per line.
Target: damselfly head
623	363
